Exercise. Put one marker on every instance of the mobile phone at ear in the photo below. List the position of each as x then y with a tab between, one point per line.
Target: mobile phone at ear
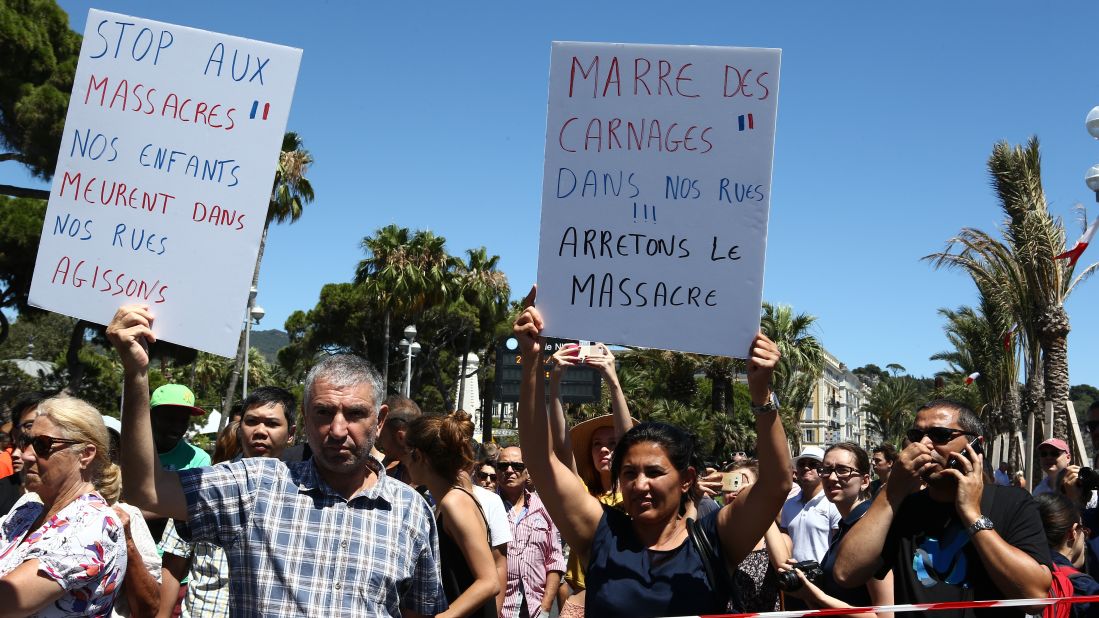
976	443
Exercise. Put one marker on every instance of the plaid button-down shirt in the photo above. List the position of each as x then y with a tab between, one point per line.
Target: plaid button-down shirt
297	548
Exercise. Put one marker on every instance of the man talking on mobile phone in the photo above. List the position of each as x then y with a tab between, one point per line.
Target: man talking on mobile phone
957	539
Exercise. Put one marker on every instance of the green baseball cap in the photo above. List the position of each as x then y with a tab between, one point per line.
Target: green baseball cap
176	395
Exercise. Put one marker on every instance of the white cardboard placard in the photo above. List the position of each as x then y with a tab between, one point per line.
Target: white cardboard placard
170	147
655	194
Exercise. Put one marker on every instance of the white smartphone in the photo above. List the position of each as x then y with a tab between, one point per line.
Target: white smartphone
585	350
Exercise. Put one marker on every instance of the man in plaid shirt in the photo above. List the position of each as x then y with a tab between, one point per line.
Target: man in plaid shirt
332	535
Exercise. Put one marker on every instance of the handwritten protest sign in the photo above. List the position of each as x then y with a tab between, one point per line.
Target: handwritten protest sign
170	147
655	194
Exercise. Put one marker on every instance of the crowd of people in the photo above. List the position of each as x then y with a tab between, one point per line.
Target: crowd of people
381	509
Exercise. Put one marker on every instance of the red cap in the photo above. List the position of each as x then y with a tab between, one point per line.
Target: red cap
1056	443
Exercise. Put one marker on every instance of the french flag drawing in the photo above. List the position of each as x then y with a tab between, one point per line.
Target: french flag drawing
1073	254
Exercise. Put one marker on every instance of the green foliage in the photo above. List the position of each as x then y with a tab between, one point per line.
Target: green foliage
39	54
21	228
1082	396
48	331
408	278
891	407
800	367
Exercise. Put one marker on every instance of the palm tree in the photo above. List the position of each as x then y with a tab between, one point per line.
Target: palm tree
976	335
1036	238
485	288
801	365
403	273
890	408
1004	299
290	193
1021	278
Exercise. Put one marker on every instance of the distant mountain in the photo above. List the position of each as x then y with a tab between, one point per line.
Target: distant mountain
269	342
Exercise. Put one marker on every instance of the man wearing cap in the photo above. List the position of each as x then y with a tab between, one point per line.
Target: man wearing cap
1053	456
808	517
172	406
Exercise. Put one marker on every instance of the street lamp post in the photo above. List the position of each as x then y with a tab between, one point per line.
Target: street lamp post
255	313
1092	175
411	348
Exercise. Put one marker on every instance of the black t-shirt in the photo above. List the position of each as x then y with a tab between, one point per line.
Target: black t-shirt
933	559
859	596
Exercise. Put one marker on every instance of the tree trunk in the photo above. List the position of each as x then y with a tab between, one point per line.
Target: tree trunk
72	357
1033	393
1053	328
238	362
385	353
1012	414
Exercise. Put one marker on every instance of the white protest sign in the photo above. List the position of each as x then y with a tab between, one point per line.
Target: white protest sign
655	194
170	147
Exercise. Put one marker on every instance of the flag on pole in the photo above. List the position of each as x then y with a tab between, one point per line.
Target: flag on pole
1009	335
969	379
1073	254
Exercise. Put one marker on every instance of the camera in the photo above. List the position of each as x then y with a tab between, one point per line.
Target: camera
789	580
1087	479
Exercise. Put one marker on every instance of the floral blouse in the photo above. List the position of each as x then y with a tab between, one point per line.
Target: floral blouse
82	548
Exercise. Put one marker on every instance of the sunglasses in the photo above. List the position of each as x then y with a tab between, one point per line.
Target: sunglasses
1092	425
1049	452
842	472
807	464
518	466
43	445
486	476
938	435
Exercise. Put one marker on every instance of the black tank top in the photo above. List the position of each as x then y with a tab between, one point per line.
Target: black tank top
455	571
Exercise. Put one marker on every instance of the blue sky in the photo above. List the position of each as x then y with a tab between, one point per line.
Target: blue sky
432	115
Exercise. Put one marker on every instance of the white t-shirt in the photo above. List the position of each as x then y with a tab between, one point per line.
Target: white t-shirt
498	527
810	525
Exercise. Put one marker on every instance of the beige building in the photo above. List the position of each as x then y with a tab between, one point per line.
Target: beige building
834	413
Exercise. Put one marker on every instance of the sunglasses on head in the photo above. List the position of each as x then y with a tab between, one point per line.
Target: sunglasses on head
938	435
43	445
486	476
518	466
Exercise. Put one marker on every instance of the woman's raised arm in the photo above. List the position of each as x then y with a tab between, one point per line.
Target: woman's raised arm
742	524
576	513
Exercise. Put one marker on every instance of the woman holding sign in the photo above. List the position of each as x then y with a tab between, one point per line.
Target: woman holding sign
651	560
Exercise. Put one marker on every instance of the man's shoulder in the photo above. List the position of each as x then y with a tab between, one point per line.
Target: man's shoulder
489	500
1008	500
401	496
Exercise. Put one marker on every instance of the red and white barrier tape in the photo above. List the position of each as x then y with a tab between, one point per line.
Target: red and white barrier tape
912	607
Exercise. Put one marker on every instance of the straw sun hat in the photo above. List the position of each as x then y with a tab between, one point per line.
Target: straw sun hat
580	435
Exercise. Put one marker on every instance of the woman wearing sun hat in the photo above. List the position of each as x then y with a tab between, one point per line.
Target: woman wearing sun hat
587	447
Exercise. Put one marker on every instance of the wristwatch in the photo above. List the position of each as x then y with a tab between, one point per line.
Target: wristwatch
771	405
982	523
